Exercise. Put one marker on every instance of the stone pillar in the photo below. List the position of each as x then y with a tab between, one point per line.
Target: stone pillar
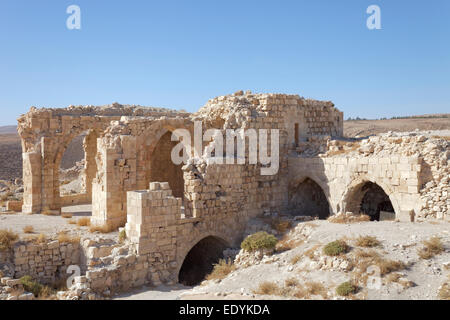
32	166
50	185
116	163
90	166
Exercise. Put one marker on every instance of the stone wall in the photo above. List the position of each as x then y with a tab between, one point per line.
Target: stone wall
46	262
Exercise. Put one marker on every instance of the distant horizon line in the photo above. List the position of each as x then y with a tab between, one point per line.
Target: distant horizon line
357	118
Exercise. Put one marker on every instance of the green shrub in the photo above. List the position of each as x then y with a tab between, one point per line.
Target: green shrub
335	248
346	288
31	286
122	236
259	240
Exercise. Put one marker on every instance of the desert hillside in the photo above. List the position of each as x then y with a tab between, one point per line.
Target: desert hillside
362	128
11	150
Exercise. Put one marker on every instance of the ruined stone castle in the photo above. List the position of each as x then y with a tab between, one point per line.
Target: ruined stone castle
171	213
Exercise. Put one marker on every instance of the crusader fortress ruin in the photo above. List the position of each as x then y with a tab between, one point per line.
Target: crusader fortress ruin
177	218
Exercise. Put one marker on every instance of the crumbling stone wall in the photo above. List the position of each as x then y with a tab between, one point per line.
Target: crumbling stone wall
46	262
45	135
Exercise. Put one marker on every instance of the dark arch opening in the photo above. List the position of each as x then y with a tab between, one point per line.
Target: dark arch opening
200	260
162	168
375	201
308	198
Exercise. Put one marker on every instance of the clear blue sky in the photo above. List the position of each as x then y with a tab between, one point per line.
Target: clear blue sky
178	54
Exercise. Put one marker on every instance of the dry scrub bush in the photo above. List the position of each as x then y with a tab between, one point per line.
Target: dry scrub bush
28	229
84	222
221	270
7	239
367	242
432	247
258	241
336	248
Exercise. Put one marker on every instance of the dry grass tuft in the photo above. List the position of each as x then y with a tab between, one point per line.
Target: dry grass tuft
7	239
268	288
310	252
66	215
398	278
72	221
387	266
287	244
367	242
28	229
63	237
348	218
444	291
84	222
296	259
122	236
41	238
291	282
49	213
106	228
221	270
278	223
432	247
316	288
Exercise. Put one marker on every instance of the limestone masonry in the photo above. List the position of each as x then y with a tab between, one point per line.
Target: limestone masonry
166	210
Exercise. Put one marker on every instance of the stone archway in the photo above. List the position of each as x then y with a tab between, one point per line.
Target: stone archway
307	197
370	198
161	167
200	260
87	142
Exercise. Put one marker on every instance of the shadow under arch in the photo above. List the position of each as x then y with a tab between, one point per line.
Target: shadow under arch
308	195
369	196
200	259
156	157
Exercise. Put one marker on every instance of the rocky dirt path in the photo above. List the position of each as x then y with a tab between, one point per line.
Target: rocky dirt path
399	242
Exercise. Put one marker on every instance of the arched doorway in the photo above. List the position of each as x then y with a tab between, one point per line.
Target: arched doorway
162	168
77	168
370	199
307	198
200	260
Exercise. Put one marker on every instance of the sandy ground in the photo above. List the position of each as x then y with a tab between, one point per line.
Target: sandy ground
370	127
400	241
50	225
